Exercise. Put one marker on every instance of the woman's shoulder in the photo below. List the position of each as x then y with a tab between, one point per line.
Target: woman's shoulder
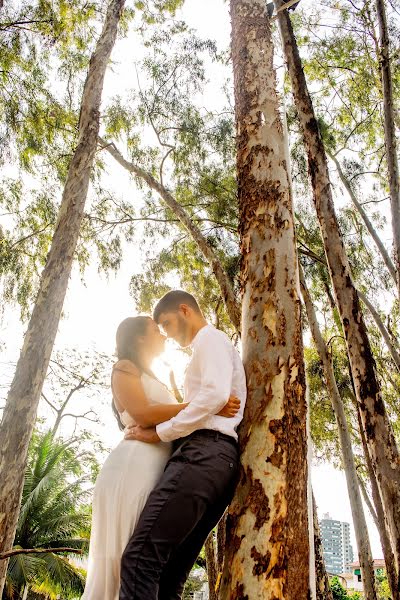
126	366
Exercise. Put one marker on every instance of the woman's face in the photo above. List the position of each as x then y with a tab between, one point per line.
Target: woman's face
154	340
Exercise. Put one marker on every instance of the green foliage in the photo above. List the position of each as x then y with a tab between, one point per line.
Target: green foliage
340	593
54	513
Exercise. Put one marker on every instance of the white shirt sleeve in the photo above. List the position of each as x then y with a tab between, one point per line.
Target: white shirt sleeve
215	364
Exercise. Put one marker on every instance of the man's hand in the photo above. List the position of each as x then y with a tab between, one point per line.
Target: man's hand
136	432
231	407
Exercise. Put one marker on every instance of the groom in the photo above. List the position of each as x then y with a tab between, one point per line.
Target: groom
199	479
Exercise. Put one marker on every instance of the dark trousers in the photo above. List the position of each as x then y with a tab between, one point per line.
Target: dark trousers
196	487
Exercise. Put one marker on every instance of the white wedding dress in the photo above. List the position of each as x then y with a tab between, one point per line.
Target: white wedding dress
124	483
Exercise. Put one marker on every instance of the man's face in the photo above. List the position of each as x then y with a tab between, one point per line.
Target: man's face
176	326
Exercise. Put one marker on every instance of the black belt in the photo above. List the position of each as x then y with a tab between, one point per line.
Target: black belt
212	434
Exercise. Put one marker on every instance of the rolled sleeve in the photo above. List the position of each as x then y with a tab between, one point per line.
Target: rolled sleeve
215	363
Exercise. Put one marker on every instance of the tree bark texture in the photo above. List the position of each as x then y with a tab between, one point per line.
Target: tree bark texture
379	434
381	525
22	401
390	133
267	545
225	284
210	549
357	511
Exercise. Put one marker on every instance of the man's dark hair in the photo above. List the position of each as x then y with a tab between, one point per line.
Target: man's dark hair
171	302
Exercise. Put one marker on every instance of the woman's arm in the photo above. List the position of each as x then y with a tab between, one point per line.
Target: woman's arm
130	396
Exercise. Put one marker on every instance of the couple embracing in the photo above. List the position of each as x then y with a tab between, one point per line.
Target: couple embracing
167	484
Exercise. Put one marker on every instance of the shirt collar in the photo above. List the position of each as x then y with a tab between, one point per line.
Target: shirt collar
200	334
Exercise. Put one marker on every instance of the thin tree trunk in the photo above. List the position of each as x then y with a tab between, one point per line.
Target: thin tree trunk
380	515
390	133
20	410
368	501
357	511
371	229
385	334
380	439
267	546
212	568
225	284
324	591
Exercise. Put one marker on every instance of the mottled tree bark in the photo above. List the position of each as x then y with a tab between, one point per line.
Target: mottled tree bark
357	511
20	410
390	133
267	546
380	518
379	435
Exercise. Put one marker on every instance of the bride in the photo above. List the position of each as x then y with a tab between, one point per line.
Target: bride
133	468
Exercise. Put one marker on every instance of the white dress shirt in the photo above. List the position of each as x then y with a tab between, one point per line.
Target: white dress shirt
213	374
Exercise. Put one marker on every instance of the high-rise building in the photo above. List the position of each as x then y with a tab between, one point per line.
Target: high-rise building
338	552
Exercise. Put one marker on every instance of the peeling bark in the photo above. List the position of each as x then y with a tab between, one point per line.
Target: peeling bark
267	545
226	287
22	401
390	133
357	511
380	518
379	434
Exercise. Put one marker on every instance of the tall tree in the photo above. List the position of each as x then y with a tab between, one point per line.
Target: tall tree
390	132
267	550
20	410
357	511
380	439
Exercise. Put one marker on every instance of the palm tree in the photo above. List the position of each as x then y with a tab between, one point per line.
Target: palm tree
54	513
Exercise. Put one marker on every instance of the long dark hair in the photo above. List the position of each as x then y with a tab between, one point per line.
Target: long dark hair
127	347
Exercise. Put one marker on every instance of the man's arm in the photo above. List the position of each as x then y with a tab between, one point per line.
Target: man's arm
215	363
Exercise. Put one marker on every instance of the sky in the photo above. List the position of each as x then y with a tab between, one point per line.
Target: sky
95	307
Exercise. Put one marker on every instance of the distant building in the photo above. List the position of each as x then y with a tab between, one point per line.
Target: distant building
335	537
354	578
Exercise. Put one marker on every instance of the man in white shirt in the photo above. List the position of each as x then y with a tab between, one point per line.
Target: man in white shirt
200	477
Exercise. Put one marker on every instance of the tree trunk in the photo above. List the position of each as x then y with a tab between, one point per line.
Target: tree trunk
225	284
371	229
384	332
380	516
357	511
379	434
20	410
324	591
267	547
212	568
390	133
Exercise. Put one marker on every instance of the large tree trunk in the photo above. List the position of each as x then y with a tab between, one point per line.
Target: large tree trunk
379	434
357	511
380	518
267	547
390	133
20	410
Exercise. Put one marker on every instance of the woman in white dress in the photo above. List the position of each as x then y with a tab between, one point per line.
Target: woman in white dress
133	468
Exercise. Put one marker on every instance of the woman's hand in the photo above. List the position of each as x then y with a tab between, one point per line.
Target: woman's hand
231	407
